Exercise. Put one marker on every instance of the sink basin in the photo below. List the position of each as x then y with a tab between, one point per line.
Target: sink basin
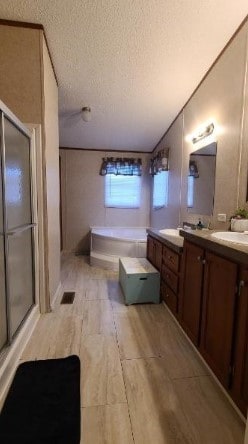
231	236
170	232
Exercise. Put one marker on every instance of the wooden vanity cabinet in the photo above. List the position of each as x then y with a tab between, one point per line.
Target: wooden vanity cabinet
213	311
239	386
208	293
170	278
218	314
207	308
168	263
191	299
154	252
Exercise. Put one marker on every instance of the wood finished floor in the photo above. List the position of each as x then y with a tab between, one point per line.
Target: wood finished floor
141	383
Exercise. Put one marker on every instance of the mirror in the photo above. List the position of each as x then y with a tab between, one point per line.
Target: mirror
201	180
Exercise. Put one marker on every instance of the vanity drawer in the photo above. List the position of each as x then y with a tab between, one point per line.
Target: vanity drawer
170	278
171	259
169	297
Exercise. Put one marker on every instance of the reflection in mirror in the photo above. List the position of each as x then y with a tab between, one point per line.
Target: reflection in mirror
201	180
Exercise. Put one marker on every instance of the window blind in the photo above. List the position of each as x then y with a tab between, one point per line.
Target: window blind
160	189
122	191
190	196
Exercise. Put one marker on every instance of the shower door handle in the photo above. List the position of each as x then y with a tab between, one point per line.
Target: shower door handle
20	229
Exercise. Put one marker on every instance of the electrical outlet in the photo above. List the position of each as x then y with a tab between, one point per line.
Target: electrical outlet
221	217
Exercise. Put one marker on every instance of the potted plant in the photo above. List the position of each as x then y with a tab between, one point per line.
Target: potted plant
239	221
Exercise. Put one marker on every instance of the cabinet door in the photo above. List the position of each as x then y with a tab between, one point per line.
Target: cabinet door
191	300
150	249
169	297
218	314
171	259
158	254
169	278
239	388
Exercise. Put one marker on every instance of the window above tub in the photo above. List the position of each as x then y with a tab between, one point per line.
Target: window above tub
122	181
122	191
160	190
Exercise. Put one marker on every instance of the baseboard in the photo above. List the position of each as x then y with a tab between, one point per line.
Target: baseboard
12	355
207	366
56	295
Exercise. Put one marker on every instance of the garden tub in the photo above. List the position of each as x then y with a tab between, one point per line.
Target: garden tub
108	244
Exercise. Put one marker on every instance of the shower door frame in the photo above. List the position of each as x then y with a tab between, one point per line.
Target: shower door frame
5	112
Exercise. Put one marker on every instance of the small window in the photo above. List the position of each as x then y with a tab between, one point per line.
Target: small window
190	197
122	191
160	189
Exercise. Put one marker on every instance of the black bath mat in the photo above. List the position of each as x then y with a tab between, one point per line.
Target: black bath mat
43	404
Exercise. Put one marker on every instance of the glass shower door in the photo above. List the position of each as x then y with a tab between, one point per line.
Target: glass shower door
18	226
3	306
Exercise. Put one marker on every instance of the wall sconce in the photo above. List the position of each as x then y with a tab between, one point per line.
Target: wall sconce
86	114
204	133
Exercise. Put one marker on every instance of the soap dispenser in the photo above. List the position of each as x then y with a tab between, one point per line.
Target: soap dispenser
200	225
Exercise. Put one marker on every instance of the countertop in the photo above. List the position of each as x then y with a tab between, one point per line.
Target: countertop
229	250
173	242
203	238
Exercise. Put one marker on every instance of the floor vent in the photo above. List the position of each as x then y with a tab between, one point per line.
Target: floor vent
68	297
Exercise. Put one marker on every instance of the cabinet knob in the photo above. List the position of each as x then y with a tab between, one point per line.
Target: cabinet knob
200	259
241	285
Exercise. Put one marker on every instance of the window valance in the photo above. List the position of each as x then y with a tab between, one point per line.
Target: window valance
160	162
121	166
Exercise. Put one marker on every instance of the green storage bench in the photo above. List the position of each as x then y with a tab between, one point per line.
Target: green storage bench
139	280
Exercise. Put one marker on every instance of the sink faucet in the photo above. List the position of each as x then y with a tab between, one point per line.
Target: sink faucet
189	226
209	226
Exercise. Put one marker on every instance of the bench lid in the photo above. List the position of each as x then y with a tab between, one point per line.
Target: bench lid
133	265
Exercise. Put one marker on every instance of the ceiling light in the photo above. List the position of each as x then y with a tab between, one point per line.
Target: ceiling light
86	114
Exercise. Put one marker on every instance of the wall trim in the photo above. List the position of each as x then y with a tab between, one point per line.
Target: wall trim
20	24
103	150
50	56
12	356
55	296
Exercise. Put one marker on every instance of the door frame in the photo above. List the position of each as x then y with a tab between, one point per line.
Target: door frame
41	273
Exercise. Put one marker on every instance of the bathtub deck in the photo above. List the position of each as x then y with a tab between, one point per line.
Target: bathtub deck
142	382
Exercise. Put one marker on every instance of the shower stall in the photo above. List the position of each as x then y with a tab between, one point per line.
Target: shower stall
17	283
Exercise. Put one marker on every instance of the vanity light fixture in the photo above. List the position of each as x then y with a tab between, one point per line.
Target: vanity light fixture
86	114
204	133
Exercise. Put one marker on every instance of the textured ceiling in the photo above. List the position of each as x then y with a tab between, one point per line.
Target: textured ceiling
134	62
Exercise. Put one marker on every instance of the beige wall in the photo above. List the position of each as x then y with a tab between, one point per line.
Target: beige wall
20	72
83	198
170	216
51	135
220	98
29	89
